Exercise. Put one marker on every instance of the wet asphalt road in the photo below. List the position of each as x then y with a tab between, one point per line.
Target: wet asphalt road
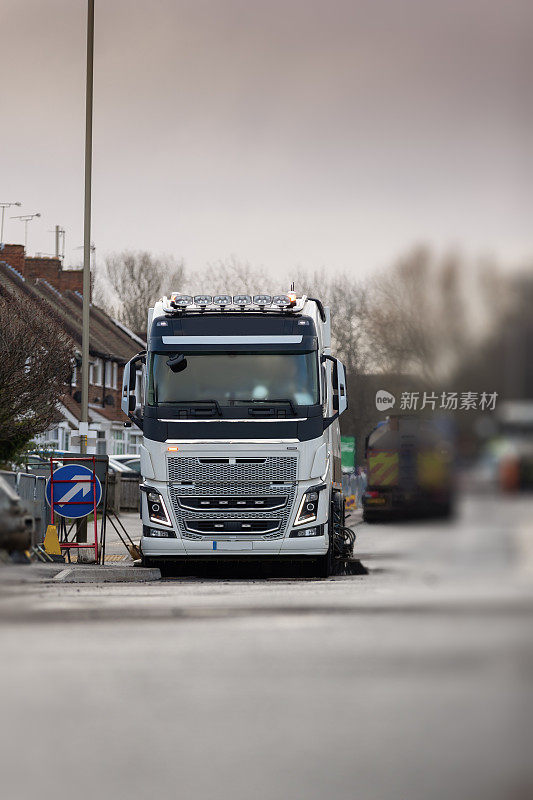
412	682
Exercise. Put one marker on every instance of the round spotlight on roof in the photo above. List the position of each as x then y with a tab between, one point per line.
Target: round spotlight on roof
262	300
202	300
222	300
242	300
181	300
281	300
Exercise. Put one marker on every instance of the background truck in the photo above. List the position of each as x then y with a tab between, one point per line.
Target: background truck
240	411
409	469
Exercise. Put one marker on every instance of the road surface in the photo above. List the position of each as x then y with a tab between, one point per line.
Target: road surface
413	682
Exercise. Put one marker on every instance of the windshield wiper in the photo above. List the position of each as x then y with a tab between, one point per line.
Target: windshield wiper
269	403
194	403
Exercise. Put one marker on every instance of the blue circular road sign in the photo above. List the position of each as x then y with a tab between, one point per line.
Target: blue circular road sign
75	497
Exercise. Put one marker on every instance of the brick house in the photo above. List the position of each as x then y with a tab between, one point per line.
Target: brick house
111	345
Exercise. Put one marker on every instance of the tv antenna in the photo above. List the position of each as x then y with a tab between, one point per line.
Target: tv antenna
25	218
3	206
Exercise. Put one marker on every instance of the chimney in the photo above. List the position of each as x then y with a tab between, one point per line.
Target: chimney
48	269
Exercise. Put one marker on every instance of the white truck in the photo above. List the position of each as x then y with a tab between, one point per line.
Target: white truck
240	409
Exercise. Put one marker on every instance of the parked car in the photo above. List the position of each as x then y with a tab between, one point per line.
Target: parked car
135	464
119	466
130	460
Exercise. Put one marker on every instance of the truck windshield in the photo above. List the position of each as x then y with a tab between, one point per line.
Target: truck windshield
233	378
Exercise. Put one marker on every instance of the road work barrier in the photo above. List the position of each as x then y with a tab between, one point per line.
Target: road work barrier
16	524
30	490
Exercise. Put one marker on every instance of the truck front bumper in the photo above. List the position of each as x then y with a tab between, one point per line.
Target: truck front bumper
176	547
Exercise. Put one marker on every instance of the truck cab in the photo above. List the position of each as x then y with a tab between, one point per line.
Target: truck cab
240	411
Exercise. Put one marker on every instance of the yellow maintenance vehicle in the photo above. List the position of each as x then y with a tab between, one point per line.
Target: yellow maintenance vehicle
409	470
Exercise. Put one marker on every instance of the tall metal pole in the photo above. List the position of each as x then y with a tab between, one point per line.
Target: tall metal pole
87	222
81	527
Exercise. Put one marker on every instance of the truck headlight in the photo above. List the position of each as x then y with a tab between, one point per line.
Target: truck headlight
157	510
308	509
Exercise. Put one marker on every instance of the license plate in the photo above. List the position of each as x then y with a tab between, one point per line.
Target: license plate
377	501
232	546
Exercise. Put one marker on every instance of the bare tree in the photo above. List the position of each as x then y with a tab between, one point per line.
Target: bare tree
35	365
347	300
418	316
232	276
130	281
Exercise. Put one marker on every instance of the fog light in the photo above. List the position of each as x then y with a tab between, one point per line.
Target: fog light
181	300
242	300
298	534
222	300
156	533
262	300
202	300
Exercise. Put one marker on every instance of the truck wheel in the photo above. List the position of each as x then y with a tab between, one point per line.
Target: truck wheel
324	564
444	510
323	568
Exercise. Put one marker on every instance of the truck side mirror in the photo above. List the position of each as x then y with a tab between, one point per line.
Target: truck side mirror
128	400
341	391
124	400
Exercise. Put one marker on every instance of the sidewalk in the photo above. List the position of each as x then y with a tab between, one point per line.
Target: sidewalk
115	552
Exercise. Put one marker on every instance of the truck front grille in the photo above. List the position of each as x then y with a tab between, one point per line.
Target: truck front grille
233	526
232	470
228	503
265	514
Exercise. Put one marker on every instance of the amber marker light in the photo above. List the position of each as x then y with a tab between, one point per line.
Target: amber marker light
292	298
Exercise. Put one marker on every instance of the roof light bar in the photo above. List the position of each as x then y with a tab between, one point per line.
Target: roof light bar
222	300
203	302
242	300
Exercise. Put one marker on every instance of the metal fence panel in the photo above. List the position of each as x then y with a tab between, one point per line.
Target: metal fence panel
31	489
26	486
42	510
26	492
10	477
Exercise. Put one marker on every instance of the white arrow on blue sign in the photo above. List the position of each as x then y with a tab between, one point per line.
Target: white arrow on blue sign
74	498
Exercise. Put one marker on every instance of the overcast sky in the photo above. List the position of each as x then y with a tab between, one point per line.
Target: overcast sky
286	132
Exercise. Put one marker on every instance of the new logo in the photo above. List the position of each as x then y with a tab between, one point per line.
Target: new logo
384	400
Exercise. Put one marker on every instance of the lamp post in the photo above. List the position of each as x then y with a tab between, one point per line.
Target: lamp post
25	218
81	527
3	206
87	222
